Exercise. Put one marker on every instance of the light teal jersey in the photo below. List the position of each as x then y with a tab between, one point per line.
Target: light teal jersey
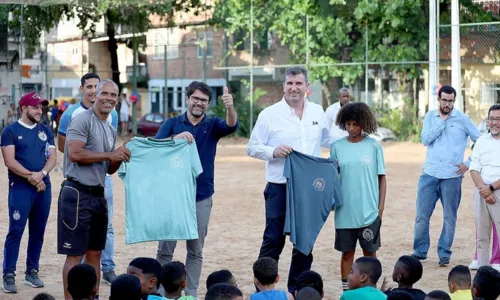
359	164
160	190
365	293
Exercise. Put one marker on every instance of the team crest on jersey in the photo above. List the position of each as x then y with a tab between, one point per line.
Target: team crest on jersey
176	163
42	136
319	184
367	161
16	215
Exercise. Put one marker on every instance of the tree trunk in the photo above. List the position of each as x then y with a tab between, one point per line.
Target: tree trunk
113	47
326	92
417	98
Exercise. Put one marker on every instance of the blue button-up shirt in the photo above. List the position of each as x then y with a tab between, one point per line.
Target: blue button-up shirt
206	134
446	141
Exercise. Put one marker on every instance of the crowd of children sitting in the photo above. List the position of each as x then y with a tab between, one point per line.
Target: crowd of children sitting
145	276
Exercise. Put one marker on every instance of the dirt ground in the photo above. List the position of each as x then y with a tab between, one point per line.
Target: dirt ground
237	224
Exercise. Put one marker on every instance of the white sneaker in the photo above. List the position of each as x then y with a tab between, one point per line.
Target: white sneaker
496	267
474	265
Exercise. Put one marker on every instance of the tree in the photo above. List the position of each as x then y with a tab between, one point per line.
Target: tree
133	14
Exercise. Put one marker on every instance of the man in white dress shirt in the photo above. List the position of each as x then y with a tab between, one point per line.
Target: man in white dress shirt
291	124
333	110
485	172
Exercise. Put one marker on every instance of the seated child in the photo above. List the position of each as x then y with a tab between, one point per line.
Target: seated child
407	271
174	281
459	283
400	295
486	283
265	274
221	276
82	282
44	296
365	273
310	279
437	295
223	291
307	293
126	287
148	270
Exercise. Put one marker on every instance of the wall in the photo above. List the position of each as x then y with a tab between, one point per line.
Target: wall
474	77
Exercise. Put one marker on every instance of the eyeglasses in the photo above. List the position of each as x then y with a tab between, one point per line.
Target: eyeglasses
491	119
447	102
195	99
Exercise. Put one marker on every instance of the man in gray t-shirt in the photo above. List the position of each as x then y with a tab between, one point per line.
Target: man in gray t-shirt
82	208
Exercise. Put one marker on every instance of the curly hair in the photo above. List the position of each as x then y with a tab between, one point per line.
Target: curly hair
359	112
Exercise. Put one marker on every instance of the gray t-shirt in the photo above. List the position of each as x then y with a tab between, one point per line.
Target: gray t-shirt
98	136
312	192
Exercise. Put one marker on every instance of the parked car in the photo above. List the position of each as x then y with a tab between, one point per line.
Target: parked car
149	124
383	134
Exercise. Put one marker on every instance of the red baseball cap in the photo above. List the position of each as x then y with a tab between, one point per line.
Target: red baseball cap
32	99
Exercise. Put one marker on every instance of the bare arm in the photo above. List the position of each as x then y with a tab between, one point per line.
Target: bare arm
231	117
61	140
382	186
52	161
114	166
78	153
12	164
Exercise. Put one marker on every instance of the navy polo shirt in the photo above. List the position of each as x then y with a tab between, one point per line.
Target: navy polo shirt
206	134
32	147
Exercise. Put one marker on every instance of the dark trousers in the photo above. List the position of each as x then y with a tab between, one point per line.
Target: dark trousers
25	203
274	238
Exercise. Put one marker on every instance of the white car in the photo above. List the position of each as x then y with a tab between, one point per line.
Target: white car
383	134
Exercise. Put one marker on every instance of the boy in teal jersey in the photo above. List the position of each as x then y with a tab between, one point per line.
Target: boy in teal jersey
365	273
362	184
174	281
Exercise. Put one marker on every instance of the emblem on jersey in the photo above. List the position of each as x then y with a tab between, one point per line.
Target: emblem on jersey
42	136
368	234
20	137
176	163
319	184
366	161
16	215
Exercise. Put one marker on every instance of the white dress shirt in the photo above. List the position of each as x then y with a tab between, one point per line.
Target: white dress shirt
486	159
279	125
330	117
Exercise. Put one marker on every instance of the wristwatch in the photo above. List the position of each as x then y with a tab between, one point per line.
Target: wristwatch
44	172
492	188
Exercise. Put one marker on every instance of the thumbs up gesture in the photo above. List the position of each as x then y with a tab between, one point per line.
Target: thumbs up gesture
227	98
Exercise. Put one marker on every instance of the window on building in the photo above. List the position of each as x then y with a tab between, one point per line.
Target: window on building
205	43
490	94
169	38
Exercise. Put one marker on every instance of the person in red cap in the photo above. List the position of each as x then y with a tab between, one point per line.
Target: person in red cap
29	153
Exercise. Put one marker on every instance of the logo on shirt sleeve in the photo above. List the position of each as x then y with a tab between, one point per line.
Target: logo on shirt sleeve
176	163
42	136
319	184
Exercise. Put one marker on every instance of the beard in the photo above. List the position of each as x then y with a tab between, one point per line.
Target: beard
32	118
445	110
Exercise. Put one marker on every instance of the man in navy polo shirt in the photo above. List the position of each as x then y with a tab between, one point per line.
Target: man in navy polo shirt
195	125
29	153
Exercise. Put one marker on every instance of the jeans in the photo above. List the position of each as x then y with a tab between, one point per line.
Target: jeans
107	263
274	239
194	259
25	203
430	190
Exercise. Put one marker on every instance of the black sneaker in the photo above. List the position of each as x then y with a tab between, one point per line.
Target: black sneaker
444	262
9	283
421	258
109	276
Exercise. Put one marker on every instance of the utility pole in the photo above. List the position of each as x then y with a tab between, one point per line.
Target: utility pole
165	78
432	55
21	43
134	86
456	69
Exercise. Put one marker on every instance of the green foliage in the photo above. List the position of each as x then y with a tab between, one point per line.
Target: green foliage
242	106
402	121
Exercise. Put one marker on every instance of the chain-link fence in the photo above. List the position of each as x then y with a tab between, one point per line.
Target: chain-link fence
378	49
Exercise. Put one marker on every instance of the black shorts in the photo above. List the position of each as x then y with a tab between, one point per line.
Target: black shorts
369	238
82	219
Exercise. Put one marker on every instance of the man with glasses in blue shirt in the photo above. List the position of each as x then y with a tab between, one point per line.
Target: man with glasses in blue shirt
195	126
445	133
